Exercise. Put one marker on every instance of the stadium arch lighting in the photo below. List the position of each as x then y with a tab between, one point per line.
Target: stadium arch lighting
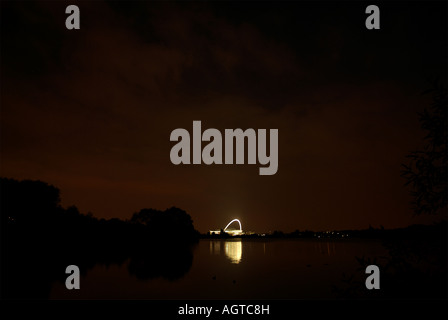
239	222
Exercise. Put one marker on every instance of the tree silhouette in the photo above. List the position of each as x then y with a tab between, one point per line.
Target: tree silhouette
27	201
174	222
37	231
426	172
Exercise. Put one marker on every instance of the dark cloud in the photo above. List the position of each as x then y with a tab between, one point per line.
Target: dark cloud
91	111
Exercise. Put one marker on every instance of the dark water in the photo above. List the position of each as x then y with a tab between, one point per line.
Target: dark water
237	269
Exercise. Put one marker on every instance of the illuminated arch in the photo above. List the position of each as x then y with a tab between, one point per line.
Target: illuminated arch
241	229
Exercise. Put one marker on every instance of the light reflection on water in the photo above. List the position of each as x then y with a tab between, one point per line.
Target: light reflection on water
217	269
233	249
326	248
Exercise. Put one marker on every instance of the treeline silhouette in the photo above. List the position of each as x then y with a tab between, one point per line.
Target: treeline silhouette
414	268
416	230
40	238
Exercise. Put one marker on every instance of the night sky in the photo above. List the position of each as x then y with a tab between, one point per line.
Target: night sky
91	110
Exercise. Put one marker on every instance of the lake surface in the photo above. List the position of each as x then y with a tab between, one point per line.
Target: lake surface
237	269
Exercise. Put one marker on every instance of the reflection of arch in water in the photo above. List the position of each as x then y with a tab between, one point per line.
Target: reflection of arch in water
239	222
233	251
